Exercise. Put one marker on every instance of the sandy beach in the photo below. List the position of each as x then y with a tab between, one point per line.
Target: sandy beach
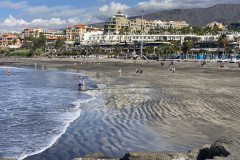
157	110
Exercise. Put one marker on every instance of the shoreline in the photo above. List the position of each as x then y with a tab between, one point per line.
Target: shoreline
189	80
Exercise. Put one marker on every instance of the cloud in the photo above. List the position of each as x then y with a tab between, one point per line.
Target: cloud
159	5
9	4
50	12
55	17
14	24
111	9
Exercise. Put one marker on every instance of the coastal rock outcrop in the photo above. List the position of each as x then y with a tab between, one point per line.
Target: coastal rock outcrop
96	156
224	148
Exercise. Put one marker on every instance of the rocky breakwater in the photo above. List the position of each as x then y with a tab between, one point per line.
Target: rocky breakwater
224	148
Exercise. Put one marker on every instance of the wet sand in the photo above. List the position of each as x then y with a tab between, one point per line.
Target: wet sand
156	111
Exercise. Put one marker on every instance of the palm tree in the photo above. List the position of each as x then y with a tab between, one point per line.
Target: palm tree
121	31
150	50
118	48
223	41
159	50
14	41
187	44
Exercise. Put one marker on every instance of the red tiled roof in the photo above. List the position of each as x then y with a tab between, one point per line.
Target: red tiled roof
80	25
177	21
53	38
33	28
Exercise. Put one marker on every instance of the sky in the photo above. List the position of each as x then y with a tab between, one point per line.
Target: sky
15	15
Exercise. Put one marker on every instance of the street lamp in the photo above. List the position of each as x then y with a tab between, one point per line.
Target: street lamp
142	33
67	30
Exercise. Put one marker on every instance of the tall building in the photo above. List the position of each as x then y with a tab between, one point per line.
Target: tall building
32	32
53	33
136	26
119	24
116	23
176	24
212	24
74	32
9	39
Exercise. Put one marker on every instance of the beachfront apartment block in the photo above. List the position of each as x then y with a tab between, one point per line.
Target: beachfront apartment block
119	24
176	24
74	33
115	24
49	34
9	39
53	34
32	32
136	27
215	23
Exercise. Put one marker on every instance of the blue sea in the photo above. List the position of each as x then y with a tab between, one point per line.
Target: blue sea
36	107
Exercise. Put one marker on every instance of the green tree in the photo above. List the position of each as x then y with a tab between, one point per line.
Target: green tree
187	44
96	49
60	43
223	41
159	50
39	42
27	44
150	49
14	41
118	48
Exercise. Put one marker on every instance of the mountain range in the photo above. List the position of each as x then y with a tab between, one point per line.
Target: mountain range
224	13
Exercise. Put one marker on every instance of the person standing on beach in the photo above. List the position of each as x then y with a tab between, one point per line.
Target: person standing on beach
173	70
120	72
137	70
83	83
79	82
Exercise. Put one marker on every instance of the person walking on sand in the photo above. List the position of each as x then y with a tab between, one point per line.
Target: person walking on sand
173	70
83	83
137	70
120	72
79	82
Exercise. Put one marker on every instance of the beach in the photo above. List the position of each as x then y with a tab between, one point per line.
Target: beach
157	110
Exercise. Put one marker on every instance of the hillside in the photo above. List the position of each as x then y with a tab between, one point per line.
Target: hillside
225	13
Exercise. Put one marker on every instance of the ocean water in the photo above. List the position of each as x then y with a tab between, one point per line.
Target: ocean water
36	107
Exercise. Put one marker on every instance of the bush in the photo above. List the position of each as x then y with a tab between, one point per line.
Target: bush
112	53
31	53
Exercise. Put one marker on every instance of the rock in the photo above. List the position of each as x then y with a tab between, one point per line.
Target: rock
224	148
200	153
156	156
96	156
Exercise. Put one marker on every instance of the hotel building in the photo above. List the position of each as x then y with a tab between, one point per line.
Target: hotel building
8	39
175	24
74	33
116	23
135	26
119	24
49	34
32	32
212	24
